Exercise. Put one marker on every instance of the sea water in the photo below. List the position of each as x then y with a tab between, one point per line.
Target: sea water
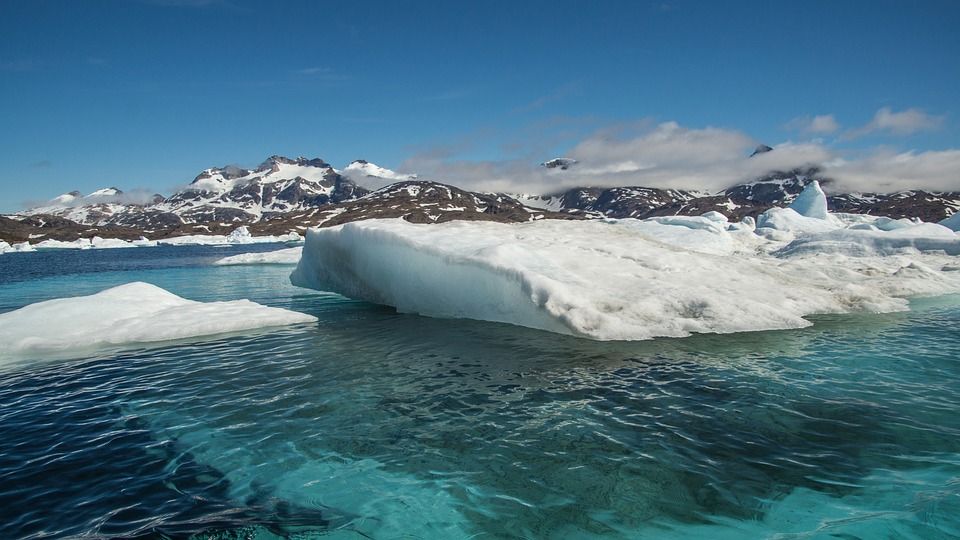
374	424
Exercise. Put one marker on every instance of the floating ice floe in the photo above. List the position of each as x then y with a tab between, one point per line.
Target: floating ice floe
94	243
128	314
280	256
240	235
631	279
21	247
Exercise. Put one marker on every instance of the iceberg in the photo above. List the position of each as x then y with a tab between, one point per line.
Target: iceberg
22	247
614	279
812	202
240	235
280	256
952	222
80	243
134	313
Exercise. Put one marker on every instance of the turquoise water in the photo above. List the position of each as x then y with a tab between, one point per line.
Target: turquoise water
372	424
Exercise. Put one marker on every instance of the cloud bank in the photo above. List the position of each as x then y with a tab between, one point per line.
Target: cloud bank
668	155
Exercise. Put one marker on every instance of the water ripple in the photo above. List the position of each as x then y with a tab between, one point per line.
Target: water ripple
381	425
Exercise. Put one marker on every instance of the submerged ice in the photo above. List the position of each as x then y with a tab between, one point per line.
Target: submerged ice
128	314
631	279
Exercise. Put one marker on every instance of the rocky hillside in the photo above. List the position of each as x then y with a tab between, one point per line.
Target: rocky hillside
778	188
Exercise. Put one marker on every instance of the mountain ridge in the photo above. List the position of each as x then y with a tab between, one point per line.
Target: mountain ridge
292	194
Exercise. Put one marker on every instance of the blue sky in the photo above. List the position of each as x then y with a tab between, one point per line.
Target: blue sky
145	94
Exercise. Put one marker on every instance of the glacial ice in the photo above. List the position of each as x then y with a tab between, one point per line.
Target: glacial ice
128	314
629	279
280	256
812	202
240	235
952	222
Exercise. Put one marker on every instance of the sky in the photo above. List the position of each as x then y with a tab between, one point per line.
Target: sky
144	94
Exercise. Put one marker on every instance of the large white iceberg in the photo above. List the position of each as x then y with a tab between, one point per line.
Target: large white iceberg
611	280
128	314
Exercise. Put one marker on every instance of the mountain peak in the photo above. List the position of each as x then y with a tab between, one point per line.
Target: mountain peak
761	149
106	192
561	163
274	160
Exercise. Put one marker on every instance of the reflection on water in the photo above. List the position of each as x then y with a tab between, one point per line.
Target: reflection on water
375	424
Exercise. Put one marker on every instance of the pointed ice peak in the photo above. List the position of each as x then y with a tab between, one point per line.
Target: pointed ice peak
812	202
761	149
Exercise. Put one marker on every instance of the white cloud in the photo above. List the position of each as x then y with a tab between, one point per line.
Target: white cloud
665	156
905	122
885	171
821	124
709	159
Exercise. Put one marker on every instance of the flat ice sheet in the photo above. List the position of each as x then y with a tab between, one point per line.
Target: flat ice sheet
128	314
612	280
280	256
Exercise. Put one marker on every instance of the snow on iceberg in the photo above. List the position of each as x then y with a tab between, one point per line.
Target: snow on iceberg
128	314
922	237
611	280
280	256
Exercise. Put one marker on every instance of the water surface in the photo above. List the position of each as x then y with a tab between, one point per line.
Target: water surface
373	424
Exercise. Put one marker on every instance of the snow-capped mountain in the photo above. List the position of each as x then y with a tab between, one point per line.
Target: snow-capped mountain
283	195
99	206
777	188
227	194
926	205
279	185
